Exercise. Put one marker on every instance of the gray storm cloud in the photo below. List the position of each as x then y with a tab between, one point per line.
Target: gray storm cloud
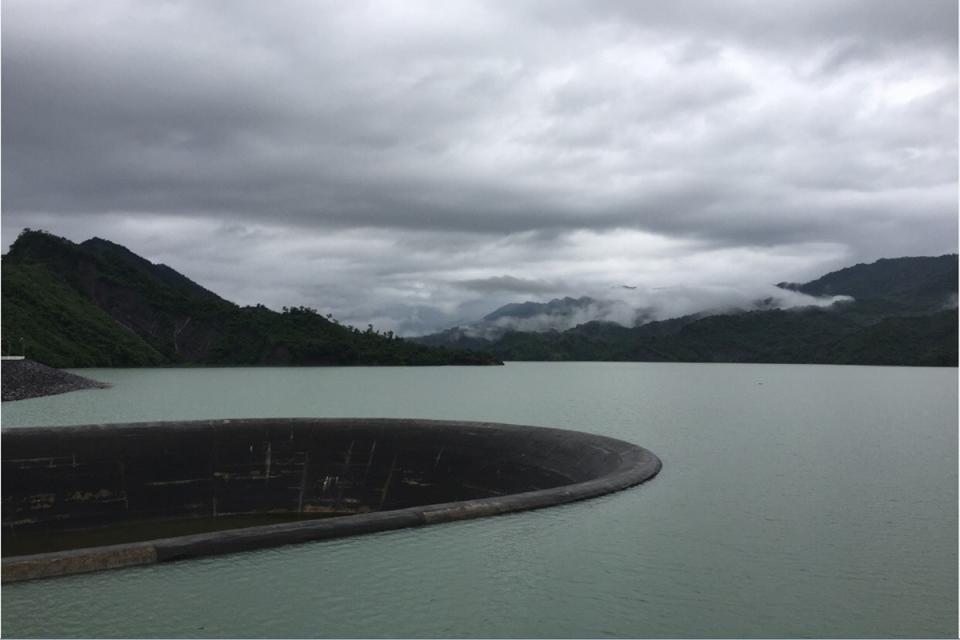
413	165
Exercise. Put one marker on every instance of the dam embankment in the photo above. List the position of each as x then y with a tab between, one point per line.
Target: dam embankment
372	474
23	379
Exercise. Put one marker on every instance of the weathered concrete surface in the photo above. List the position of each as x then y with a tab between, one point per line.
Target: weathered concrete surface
24	379
48	565
380	474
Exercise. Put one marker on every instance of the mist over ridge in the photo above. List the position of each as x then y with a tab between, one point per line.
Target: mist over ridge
904	312
629	306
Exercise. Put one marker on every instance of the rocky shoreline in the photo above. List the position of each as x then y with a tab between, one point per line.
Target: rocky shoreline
24	379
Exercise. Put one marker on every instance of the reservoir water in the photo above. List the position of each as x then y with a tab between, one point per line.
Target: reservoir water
794	501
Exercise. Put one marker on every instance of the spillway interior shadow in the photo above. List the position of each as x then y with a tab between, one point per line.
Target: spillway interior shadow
375	474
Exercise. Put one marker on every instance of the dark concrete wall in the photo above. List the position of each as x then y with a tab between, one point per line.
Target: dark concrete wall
397	472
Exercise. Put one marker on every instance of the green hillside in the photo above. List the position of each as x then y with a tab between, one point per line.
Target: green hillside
56	325
99	304
921	283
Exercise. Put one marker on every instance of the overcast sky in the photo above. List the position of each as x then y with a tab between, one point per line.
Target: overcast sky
413	164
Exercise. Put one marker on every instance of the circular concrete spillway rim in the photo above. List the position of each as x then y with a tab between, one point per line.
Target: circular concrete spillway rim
635	465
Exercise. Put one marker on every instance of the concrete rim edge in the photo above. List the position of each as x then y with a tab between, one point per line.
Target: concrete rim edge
645	466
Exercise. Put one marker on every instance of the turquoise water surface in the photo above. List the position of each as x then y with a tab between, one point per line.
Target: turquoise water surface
800	501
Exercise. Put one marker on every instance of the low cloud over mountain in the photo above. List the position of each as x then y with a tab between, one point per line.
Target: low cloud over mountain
633	307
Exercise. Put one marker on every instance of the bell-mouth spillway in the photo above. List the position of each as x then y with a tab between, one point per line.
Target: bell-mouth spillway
364	475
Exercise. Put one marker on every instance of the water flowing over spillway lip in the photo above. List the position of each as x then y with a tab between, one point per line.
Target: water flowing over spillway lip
417	460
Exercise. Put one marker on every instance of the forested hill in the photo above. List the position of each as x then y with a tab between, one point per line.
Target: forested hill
904	312
99	304
919	283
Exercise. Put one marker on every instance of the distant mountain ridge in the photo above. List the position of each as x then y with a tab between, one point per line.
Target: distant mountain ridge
558	314
556	307
924	283
903	312
99	304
